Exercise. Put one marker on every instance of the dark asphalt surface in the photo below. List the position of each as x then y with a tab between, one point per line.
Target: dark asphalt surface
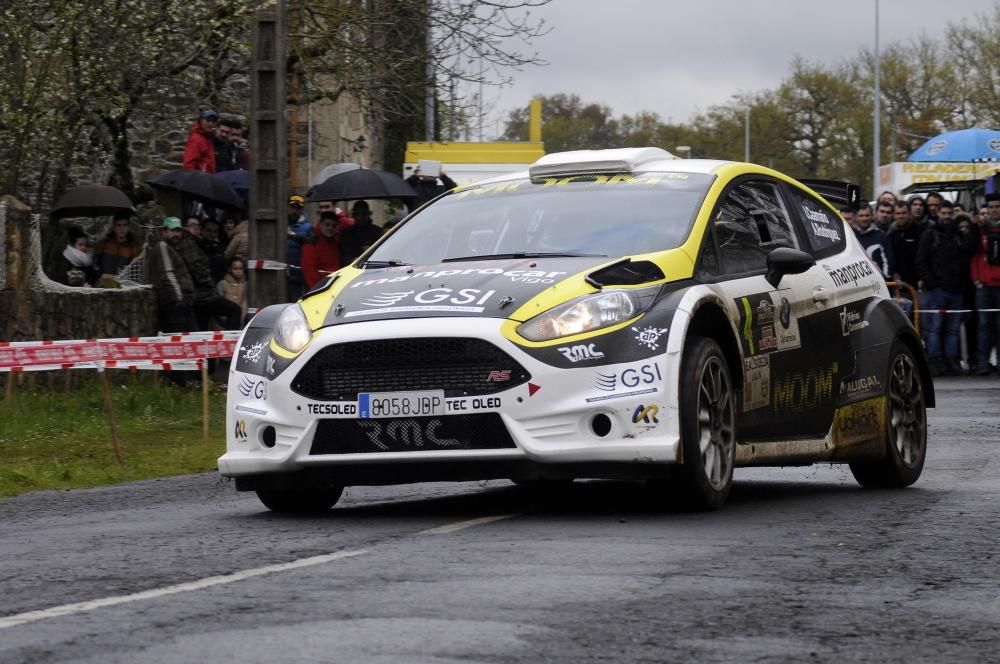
801	566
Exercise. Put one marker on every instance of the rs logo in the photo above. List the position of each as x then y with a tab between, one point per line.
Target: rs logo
498	376
646	414
241	429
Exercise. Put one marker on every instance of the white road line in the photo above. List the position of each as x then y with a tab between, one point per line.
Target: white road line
452	527
80	607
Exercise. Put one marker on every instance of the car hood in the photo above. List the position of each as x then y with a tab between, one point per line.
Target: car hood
487	288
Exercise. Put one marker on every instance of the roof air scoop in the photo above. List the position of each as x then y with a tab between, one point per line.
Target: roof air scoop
583	162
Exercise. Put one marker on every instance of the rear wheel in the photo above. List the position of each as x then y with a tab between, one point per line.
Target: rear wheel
905	430
300	502
708	425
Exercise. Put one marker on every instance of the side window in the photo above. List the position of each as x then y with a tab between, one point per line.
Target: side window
750	222
824	228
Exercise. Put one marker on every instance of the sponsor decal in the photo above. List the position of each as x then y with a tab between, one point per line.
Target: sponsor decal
760	334
936	146
498	376
476	403
581	352
856	385
851	321
645	414
532	388
258	388
799	391
994	144
859	422
405	433
432	299
324	408
824	231
240	430
270	365
649	336
627	379
252	353
513	275
851	273
756	382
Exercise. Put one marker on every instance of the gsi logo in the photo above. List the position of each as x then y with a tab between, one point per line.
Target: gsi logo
498	376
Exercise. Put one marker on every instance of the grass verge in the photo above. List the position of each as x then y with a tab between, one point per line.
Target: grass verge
56	439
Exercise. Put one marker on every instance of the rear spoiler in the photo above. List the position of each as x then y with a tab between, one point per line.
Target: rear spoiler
837	193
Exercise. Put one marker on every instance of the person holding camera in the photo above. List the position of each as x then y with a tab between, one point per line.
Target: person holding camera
425	182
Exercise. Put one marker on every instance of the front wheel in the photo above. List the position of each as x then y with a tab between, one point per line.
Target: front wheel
300	502
708	425
905	430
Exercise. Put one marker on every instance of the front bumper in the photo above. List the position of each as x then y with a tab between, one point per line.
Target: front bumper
561	418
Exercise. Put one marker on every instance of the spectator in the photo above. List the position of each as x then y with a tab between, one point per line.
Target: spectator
192	226
934	200
945	210
985	268
427	187
321	256
199	152
963	224
228	228
74	266
848	215
900	214
300	231
904	237
884	215
241	146
875	242
233	286
239	241
918	211
942	256
208	304
213	248
171	280
225	151
115	251
362	235
887	196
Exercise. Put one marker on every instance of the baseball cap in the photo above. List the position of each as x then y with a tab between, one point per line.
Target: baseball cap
171	223
295	199
209	113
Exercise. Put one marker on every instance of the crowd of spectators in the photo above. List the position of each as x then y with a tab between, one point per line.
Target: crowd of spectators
950	257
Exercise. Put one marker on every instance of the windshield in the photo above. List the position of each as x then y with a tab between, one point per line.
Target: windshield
617	215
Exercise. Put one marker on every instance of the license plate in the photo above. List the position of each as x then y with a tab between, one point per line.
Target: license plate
373	405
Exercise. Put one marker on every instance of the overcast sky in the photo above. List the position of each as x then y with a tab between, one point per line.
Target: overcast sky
678	57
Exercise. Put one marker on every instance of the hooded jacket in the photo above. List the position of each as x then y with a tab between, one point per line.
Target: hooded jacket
981	269
943	255
879	249
199	151
904	243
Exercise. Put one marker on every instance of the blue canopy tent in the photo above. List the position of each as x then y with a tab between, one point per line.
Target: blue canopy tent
962	145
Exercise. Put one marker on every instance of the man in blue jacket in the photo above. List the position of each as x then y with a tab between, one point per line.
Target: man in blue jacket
299	232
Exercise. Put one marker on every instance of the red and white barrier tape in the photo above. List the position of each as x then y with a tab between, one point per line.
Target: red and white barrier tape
178	351
265	265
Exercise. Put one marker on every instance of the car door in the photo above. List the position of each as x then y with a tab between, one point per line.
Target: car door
786	393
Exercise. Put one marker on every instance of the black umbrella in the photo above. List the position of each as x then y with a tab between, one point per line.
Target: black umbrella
361	183
240	182
92	200
200	186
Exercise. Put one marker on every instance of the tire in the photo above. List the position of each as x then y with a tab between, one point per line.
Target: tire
905	428
300	502
708	426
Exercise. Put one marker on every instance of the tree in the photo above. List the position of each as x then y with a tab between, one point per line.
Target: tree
975	47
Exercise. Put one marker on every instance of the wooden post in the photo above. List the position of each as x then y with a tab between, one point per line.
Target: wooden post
204	400
8	392
111	416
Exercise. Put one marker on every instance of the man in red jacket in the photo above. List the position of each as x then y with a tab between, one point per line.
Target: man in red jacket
322	256
985	272
199	151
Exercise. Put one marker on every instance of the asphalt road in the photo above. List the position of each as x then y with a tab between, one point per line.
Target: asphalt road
801	566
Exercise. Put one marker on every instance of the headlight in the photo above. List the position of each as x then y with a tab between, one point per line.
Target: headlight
292	331
589	313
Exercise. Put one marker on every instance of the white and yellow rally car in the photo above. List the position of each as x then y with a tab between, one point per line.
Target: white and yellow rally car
606	314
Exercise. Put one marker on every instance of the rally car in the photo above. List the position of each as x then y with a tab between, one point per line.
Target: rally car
605	314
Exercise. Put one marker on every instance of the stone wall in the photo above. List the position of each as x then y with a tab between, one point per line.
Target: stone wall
33	307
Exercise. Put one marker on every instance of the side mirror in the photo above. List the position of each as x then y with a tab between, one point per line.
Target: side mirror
785	260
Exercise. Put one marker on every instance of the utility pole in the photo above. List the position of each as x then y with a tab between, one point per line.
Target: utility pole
877	140
429	75
269	154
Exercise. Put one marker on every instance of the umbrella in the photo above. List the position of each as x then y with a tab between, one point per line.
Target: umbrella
962	145
92	200
361	183
333	169
240	182
200	186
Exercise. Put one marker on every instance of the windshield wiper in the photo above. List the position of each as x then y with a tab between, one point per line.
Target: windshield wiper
392	262
520	254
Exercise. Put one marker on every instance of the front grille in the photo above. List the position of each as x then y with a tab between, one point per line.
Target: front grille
481	431
459	366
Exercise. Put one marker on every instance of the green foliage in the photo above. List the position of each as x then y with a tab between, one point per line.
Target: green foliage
51	439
